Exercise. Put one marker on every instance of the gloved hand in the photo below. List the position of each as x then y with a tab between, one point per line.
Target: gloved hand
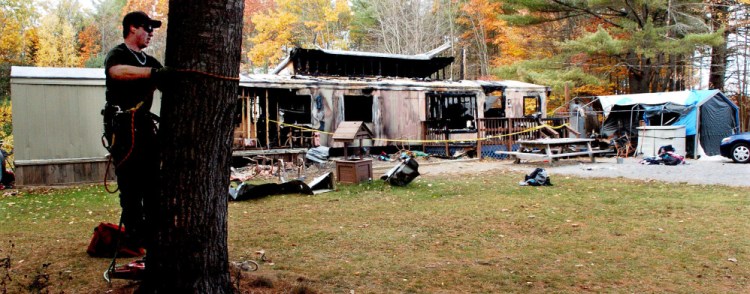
163	77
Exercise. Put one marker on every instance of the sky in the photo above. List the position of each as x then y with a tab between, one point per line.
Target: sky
87	4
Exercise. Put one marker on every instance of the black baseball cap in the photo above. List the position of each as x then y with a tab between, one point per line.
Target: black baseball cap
138	19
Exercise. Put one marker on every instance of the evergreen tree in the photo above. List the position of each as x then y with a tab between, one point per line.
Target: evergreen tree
651	42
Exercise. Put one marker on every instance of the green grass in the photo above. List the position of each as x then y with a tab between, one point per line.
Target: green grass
469	233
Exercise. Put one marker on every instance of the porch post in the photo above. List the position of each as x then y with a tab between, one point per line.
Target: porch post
447	137
268	134
424	137
511	138
480	126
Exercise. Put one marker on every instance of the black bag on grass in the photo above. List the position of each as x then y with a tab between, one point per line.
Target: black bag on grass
538	177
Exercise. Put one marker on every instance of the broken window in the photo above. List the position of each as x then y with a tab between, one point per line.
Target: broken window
457	111
358	108
531	105
295	109
494	104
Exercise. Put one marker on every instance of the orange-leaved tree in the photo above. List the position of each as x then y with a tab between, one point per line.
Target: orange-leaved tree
493	41
88	42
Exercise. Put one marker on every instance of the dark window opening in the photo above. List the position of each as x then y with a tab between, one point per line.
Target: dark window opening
531	105
457	111
358	108
296	109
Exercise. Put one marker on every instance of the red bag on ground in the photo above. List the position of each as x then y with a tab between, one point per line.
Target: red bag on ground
106	237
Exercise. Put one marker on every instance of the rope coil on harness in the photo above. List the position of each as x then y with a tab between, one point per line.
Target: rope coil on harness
130	150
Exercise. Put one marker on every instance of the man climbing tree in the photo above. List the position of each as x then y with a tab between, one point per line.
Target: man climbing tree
203	51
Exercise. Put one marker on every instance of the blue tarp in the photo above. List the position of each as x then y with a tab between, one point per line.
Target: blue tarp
689	99
719	117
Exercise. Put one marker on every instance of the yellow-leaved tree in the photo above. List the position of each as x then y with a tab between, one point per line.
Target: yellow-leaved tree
6	127
57	43
58	34
305	23
272	37
11	34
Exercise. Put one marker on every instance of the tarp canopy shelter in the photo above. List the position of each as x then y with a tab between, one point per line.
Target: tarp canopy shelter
708	116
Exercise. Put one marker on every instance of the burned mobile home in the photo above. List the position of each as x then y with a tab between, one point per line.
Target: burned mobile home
403	99
57	122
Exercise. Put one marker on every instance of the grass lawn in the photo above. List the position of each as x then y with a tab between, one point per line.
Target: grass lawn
468	233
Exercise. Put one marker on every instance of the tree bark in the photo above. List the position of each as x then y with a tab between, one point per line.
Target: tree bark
719	60
189	254
719	54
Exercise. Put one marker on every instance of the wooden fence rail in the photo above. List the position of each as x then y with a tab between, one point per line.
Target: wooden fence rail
499	131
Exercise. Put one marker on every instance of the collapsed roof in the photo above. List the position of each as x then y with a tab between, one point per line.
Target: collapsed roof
323	62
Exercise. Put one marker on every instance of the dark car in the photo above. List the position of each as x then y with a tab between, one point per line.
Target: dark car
736	147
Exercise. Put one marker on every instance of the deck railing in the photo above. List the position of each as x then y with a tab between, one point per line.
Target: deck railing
499	131
506	131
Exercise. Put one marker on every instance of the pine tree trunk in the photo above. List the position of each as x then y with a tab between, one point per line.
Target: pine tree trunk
719	53
190	250
719	60
639	74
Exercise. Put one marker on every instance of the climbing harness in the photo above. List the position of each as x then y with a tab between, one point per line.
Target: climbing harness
132	112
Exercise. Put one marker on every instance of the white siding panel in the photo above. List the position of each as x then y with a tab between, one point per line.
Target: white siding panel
57	121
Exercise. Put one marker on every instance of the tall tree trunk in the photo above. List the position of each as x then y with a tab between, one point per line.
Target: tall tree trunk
719	58
190	250
719	53
640	73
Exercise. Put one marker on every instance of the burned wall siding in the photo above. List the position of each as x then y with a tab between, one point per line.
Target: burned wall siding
377	116
354	105
333	114
401	115
515	102
319	110
481	99
338	116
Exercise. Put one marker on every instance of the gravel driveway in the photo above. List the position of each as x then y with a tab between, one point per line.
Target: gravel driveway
714	170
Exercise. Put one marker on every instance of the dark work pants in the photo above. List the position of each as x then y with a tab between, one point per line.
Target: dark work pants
137	169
